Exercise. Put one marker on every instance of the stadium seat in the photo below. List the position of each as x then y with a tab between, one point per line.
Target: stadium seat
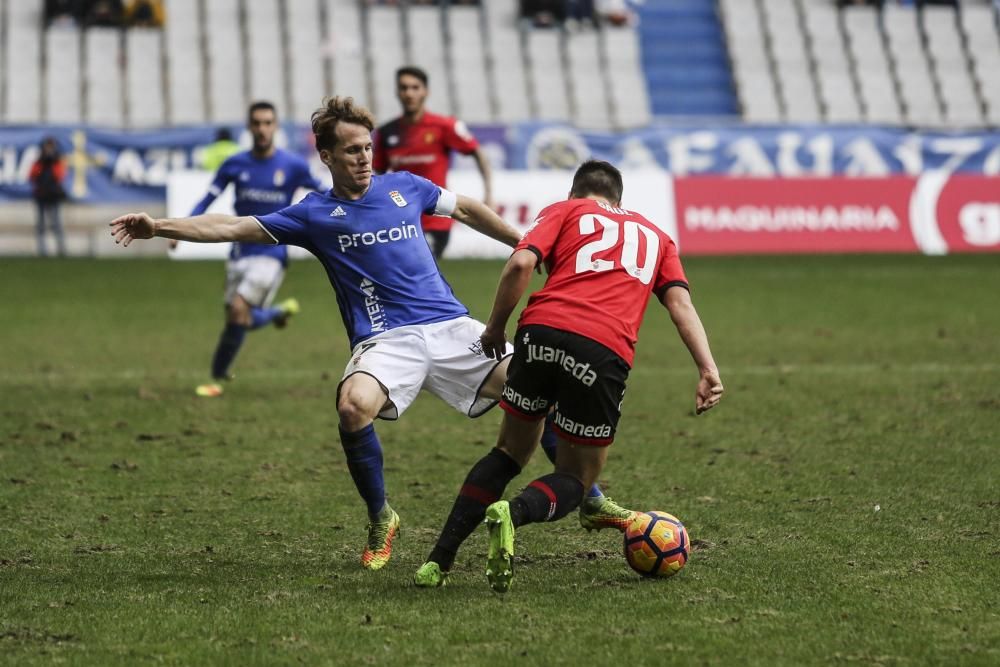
385	51
546	77
825	40
630	102
468	65
509	74
951	67
144	78
265	53
347	46
752	70
103	77
913	73
427	50
791	61
227	102
62	76
185	64
875	84
306	79
979	27
588	91
23	93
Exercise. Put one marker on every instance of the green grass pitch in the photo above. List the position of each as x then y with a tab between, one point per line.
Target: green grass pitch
843	498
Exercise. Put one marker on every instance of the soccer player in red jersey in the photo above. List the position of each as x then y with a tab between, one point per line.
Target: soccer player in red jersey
421	143
573	350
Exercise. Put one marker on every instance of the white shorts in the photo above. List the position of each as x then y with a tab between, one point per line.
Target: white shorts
255	278
445	358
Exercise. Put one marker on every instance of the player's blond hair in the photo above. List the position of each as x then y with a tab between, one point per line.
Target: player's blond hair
336	110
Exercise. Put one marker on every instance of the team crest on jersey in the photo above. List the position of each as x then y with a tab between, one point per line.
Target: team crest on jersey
245	176
279	178
392	139
397	198
429	137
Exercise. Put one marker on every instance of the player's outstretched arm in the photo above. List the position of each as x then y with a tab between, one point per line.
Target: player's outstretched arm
481	218
208	228
514	281
678	301
483	164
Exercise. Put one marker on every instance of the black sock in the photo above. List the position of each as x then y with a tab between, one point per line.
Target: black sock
548	498
483	486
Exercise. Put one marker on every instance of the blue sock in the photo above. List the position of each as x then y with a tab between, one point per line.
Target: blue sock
229	344
364	460
549	447
261	317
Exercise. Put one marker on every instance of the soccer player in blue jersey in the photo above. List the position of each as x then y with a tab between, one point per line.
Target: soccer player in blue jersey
265	178
408	331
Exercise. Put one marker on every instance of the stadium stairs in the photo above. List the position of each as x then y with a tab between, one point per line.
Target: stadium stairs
684	59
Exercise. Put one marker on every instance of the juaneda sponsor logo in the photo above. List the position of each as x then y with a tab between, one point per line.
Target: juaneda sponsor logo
579	370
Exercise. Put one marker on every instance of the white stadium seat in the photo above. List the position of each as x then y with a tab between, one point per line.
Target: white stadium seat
468	65
23	92
913	73
546	78
427	51
347	48
303	40
630	105
185	64
103	77
227	98
588	91
62	75
144	78
951	67
876	87
385	51
265	57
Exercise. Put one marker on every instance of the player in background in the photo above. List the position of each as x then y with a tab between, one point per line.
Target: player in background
265	179
573	350
421	143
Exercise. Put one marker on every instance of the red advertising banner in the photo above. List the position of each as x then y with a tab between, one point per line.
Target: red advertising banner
722	216
967	214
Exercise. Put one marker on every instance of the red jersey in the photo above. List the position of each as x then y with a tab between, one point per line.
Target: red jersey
603	262
423	148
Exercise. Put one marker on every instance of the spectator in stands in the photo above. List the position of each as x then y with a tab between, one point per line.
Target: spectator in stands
144	14
63	12
544	13
104	13
617	12
46	177
217	151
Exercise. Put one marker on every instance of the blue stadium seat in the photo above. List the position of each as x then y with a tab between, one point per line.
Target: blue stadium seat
684	59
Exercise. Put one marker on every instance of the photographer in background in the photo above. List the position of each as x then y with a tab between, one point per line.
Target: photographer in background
46	177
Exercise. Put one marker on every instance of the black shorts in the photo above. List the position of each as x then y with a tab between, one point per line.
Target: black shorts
583	380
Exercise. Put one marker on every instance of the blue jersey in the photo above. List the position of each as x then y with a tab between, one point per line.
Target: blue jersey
374	253
263	185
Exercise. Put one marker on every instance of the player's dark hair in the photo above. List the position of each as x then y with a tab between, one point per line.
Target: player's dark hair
261	106
333	111
597	177
410	70
223	134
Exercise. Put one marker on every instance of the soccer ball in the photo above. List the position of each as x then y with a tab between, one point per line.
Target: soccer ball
656	544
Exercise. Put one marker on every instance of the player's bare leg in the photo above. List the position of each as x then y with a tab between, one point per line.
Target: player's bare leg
360	398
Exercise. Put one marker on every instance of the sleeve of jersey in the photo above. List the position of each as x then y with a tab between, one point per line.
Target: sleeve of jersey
219	183
542	235
287	226
433	199
459	138
670	272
